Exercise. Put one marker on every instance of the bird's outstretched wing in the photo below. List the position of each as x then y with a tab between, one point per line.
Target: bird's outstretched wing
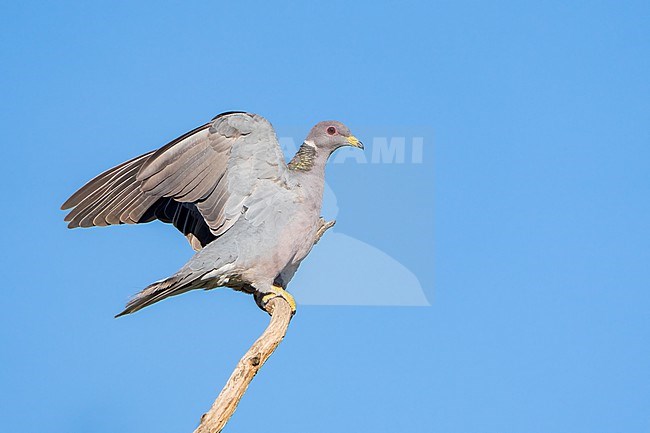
202	182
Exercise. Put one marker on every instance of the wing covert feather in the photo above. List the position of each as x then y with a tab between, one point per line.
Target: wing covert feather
201	182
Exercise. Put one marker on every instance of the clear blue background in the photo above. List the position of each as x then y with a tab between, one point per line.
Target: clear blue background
535	258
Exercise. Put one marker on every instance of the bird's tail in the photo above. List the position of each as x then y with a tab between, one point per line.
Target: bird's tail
174	285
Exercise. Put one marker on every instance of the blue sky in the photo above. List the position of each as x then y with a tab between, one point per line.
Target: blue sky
525	225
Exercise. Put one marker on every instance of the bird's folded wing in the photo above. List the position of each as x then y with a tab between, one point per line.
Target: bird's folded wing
199	182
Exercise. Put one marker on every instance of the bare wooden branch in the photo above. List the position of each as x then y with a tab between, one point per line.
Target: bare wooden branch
324	226
224	406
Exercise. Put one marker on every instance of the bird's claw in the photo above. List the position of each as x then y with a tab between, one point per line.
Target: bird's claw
263	299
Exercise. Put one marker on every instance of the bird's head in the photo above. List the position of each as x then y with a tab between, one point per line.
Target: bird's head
330	135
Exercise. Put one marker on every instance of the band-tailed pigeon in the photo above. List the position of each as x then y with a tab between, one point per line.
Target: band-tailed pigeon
225	185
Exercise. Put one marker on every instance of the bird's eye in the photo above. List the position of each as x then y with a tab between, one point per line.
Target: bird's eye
331	130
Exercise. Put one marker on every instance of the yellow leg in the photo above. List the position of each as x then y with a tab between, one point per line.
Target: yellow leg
279	291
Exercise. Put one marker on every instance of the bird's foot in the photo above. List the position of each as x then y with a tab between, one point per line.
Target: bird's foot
263	299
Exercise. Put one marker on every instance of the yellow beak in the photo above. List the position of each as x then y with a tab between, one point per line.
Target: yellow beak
354	141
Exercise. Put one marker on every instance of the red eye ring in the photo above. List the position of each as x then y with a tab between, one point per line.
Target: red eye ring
331	130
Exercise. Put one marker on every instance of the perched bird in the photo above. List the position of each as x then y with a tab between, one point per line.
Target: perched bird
225	185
